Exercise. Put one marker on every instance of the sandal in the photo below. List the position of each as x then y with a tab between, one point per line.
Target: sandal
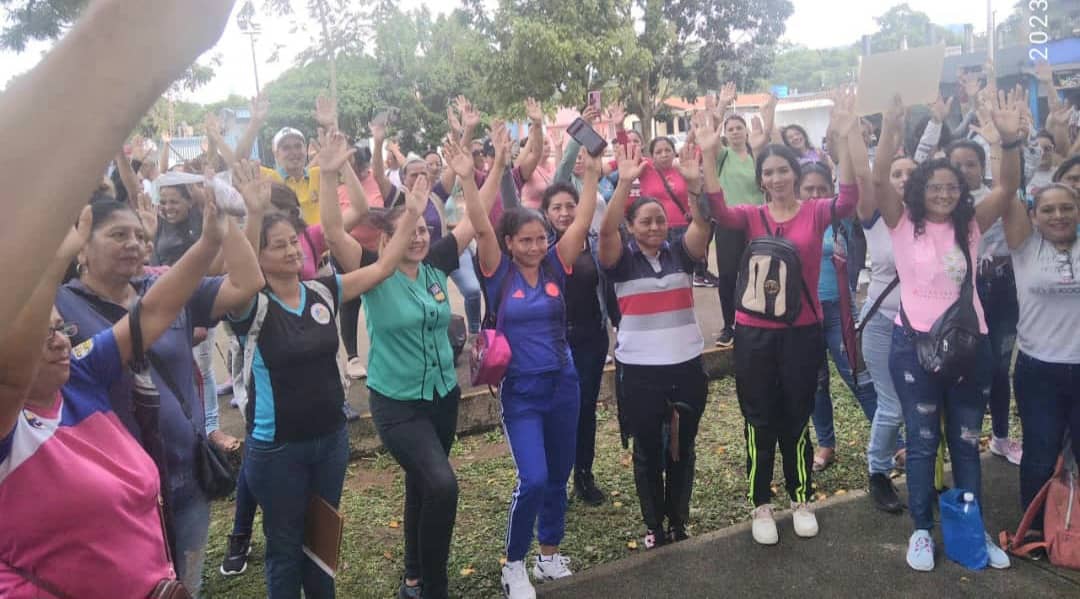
823	458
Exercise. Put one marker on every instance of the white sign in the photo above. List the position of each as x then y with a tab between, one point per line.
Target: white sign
914	74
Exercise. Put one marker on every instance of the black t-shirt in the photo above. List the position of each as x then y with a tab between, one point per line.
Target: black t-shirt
583	314
295	392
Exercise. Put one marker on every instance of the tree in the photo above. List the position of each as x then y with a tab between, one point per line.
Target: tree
902	22
800	68
46	20
1059	18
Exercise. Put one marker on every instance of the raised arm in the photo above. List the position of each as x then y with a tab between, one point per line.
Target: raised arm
260	109
572	242
163	158
378	164
458	159
630	167
243	277
217	142
534	150
885	198
708	138
335	154
358	204
128	177
111	40
761	130
20	348
1006	119
170	293
699	233
255	188
362	280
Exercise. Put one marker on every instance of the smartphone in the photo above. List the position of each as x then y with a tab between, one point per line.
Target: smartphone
595	100
585	135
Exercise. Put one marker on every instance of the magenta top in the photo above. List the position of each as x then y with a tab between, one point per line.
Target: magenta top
804	231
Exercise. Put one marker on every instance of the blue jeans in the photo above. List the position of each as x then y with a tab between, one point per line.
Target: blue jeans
863	392
283	477
924	396
1049	399
469	286
590	354
540	416
244	516
204	359
997	292
885	428
191	523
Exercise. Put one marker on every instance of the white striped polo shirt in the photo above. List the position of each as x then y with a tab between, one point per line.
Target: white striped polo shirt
658	325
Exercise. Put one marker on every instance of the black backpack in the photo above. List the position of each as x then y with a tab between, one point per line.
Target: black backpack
770	283
950	348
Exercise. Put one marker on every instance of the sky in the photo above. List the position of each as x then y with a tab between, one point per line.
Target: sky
815	24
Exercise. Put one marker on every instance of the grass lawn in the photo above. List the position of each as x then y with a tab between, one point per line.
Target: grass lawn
373	501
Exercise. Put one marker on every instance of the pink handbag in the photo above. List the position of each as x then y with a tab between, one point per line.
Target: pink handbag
490	355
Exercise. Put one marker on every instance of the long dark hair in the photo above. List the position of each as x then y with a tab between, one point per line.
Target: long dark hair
784	152
512	221
737	117
283	198
915	199
799	128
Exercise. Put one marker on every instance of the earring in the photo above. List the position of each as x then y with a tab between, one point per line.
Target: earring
80	269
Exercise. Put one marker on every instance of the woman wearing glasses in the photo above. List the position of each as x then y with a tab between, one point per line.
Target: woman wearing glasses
936	229
1046	260
58	431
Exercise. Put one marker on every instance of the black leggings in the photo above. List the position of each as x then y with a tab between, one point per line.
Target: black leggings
730	244
649	395
776	373
419	435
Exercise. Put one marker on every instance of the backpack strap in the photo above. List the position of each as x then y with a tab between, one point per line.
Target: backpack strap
877	303
327	296
251	341
805	287
674	198
1015	544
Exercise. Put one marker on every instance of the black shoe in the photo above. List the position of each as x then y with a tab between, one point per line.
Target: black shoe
350	413
677	533
407	592
585	489
236	557
726	338
705	280
883	493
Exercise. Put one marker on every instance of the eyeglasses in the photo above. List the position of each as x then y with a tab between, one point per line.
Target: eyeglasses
1065	267
477	153
947	189
67	329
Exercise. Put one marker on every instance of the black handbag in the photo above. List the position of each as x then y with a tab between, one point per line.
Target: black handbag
212	469
950	348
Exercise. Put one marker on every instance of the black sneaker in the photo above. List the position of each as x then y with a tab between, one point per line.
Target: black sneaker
407	592
585	489
726	338
236	557
706	280
677	533
883	493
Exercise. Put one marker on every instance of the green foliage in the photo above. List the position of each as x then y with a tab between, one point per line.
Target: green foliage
805	70
1060	17
902	21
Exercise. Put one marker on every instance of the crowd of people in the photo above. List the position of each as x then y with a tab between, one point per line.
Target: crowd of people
966	218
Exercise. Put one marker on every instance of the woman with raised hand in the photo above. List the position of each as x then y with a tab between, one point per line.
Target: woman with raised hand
110	281
60	431
1046	259
936	229
297	445
525	279
413	385
777	354
879	310
662	381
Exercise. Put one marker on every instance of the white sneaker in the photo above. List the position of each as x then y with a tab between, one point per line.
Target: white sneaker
804	520
1007	448
998	558
515	581
764	526
355	369
920	551
552	567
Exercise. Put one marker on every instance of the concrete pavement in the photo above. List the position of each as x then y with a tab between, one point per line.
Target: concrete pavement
859	553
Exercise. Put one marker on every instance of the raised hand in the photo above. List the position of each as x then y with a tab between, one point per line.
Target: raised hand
77	237
843	118
616	113
594	166
138	148
253	185
690	163
335	150
534	111
147	214
453	123
378	130
460	161
1044	72
500	138
630	162
940	109
1006	114
470	118
705	132
727	95
985	127
417	199
214	221
326	114
590	115
260	108
895	115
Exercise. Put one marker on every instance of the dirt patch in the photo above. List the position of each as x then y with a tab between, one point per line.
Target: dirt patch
483	451
366	477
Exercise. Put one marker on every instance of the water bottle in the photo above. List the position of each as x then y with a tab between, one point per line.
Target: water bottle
962	529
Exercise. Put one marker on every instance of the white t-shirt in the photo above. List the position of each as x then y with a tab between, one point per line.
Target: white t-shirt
1048	289
993	239
1039	180
882	267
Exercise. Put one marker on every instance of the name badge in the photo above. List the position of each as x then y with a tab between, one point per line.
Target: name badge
436	292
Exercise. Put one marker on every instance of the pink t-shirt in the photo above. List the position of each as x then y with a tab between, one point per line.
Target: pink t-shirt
532	191
804	231
931	268
314	244
652	185
365	233
78	495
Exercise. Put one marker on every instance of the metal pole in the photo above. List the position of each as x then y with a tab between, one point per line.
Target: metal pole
254	62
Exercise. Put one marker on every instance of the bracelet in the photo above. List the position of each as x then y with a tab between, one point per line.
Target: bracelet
1012	145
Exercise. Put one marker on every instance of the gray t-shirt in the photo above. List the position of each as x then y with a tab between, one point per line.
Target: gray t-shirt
993	239
882	267
1048	288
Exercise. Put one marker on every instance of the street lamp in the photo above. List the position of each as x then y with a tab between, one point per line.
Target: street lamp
247	24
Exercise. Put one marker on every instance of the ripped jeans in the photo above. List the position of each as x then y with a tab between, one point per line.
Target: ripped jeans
924	397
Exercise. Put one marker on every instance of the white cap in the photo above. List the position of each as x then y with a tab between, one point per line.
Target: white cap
287	132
